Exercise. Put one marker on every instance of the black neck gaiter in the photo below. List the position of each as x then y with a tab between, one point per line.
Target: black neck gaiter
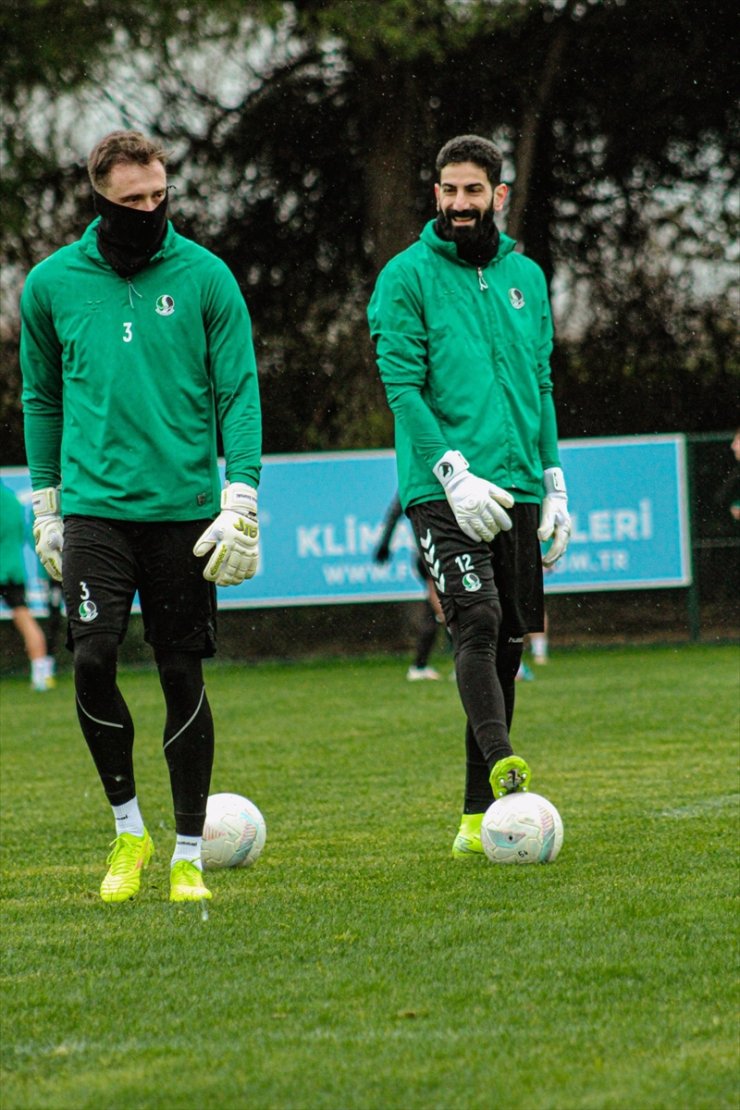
477	245
128	237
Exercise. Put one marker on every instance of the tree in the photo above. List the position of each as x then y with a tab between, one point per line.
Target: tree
303	138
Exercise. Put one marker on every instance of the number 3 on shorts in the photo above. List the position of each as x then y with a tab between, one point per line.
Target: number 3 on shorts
127	336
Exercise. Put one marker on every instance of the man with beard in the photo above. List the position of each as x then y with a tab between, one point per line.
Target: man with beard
463	335
135	343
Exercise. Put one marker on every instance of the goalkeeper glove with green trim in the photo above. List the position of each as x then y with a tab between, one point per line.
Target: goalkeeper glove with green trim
233	537
48	530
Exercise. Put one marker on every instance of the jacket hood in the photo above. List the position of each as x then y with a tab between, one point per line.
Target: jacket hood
430	238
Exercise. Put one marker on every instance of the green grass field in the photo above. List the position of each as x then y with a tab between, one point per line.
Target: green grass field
356	966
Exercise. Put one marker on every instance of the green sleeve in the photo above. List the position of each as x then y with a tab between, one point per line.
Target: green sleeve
548	440
233	369
41	367
549	453
397	328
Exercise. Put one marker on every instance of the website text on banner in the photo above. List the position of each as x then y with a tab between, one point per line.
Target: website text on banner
323	516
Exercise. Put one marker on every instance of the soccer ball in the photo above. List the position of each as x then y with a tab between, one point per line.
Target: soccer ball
521	828
234	832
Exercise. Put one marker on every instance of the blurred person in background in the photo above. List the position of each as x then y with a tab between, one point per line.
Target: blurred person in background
136	344
463	334
54	603
432	616
13	589
539	645
729	494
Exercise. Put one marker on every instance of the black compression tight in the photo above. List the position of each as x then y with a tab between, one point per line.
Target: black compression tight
188	737
486	663
109	731
475	633
103	715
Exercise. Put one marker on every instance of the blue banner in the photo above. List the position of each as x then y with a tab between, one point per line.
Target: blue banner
321	517
629	506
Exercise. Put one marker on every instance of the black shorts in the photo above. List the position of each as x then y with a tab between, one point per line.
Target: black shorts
105	563
509	569
13	594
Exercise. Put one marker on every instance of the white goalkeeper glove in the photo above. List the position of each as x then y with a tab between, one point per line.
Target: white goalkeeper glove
554	517
478	505
48	530
234	536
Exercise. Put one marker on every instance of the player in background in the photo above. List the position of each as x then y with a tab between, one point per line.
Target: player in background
13	589
729	493
54	619
539	645
432	615
539	648
135	342
463	335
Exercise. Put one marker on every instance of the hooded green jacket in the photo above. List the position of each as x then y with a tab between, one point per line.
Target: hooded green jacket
464	355
124	381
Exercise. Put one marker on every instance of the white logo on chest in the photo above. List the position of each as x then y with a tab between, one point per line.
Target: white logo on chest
165	305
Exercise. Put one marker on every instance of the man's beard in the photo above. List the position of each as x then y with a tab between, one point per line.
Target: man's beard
477	241
478	231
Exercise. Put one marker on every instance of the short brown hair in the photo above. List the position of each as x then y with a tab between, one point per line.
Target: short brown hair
471	148
121	147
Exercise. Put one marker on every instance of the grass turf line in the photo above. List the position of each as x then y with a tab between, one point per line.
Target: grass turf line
357	965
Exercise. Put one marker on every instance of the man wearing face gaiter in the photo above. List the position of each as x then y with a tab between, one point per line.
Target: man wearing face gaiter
136	345
463	334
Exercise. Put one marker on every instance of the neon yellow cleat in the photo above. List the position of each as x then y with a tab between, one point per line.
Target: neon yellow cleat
509	776
466	844
186	883
128	858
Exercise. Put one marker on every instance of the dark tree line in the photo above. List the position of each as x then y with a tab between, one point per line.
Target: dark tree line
312	164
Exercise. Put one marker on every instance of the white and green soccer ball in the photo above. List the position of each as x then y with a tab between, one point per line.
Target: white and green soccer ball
234	833
521	828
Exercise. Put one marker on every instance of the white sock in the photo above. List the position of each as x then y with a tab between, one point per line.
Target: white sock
128	818
39	672
188	847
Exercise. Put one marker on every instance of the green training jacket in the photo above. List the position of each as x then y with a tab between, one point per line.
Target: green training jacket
464	355
124	381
